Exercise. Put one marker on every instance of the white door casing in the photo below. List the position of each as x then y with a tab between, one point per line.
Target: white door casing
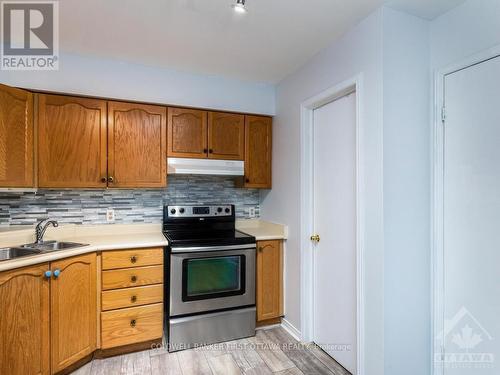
466	215
354	84
334	327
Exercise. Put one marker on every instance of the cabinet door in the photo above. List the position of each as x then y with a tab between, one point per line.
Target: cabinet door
136	145
71	142
16	137
258	148
24	321
73	304
226	136
269	280
187	133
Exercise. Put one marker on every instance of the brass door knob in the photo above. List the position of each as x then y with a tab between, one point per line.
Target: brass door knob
315	238
111	179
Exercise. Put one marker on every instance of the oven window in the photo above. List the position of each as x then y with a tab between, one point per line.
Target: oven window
213	277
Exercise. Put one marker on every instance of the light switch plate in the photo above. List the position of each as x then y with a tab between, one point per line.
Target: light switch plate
251	212
110	215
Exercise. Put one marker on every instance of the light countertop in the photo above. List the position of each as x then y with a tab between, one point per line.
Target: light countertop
112	237
262	230
98	238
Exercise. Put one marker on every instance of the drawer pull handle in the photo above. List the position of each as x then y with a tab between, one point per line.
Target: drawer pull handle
133	279
133	323
133	299
133	259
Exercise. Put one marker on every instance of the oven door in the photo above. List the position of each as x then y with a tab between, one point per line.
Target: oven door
205	281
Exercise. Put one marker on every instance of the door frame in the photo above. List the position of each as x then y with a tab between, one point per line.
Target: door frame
437	199
352	85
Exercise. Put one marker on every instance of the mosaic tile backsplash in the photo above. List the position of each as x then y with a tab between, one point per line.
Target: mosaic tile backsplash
131	206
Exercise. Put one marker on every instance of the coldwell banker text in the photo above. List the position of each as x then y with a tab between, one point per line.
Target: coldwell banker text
30	35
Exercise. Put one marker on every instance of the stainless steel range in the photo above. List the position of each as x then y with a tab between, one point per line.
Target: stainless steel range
212	276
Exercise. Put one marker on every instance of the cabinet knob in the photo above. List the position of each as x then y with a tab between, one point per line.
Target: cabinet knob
57	272
260	249
111	179
133	259
133	323
247	180
205	150
47	274
103	180
211	151
133	299
133	279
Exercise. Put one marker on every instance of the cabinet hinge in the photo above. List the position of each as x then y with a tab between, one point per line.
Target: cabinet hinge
443	114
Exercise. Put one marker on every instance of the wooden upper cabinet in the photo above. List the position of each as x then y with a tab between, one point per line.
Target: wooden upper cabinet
71	142
226	136
258	149
187	133
24	322
73	310
16	137
269	280
136	145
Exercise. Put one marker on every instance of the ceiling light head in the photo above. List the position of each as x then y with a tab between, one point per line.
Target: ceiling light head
239	7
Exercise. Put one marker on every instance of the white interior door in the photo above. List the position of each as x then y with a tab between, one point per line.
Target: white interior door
334	327
472	220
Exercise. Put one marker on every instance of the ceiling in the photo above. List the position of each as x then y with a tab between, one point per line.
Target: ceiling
273	39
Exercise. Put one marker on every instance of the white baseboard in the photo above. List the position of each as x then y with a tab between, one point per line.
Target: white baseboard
271	326
290	328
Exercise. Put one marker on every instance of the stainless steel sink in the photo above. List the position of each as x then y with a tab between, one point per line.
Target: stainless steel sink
16	252
52	246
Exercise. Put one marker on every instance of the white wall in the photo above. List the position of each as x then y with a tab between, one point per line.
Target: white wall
358	51
466	30
406	194
115	79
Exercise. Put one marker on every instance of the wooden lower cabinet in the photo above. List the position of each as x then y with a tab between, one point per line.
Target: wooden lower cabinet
48	321
269	280
24	321
131	298
73	310
132	325
131	277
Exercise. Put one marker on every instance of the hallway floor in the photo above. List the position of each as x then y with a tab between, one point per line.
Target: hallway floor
271	351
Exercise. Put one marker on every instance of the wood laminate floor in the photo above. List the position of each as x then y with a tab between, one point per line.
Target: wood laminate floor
271	351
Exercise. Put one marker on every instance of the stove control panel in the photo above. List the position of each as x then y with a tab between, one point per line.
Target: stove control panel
199	211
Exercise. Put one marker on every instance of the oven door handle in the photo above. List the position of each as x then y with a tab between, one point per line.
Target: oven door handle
211	248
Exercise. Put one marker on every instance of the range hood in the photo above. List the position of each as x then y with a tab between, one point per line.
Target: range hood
206	166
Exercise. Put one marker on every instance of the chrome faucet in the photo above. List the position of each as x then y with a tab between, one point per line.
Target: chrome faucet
41	227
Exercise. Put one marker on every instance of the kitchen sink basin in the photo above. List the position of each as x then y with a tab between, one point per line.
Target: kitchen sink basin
16	252
52	246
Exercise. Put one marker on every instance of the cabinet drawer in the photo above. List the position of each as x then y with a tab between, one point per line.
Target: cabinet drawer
131	258
132	325
130	297
128	277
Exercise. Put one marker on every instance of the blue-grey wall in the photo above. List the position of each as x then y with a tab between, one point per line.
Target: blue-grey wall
131	206
406	194
93	76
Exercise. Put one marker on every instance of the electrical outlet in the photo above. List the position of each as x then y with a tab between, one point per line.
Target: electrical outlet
110	215
251	212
